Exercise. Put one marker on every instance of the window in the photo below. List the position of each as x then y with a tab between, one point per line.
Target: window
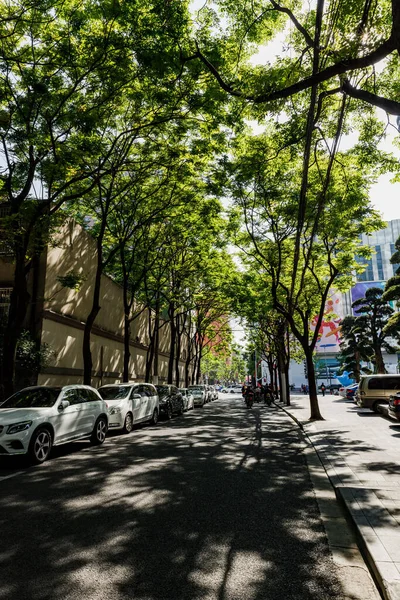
75	396
143	391
368	274
392	251
91	396
151	390
5	294
379	262
376	383
134	391
114	392
33	398
392	383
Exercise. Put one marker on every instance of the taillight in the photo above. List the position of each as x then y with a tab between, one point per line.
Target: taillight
396	402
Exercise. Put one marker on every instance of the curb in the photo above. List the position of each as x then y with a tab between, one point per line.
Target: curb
385	587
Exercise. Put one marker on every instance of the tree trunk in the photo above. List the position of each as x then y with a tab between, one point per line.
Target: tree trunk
379	362
127	351
156	341
150	349
86	350
198	370
19	302
271	371
276	392
282	380
312	387
171	313
357	370
178	350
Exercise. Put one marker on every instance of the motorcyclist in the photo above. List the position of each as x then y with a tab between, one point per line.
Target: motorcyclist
249	397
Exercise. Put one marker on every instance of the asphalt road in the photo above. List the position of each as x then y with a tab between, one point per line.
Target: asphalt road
214	505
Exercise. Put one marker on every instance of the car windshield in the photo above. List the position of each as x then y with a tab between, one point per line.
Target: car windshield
33	398
118	392
162	389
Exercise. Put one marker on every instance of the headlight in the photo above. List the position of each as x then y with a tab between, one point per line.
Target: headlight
17	427
115	411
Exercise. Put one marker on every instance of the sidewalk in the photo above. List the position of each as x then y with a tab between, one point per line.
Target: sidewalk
360	452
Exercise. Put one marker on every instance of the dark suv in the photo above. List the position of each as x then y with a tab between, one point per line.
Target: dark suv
171	400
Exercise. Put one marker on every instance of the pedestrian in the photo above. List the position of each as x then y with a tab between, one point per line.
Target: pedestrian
323	388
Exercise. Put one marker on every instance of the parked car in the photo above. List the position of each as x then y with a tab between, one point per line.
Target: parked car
37	418
188	399
351	390
171	400
394	406
199	394
376	389
235	389
210	393
130	403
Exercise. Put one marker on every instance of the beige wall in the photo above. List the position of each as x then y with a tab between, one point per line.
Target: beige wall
66	310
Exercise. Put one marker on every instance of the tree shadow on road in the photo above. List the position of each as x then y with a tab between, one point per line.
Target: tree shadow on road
216	505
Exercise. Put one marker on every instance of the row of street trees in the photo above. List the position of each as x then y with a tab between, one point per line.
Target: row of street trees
303	198
101	120
136	119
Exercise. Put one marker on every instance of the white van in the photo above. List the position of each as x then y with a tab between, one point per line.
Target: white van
376	389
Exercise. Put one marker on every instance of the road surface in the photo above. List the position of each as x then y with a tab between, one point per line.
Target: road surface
214	505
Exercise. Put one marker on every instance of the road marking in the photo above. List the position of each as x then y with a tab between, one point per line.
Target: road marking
12	475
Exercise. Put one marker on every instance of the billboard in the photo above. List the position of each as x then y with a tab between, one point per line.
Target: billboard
329	331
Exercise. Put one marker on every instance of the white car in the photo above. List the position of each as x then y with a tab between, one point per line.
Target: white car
235	389
199	394
130	403
188	399
37	418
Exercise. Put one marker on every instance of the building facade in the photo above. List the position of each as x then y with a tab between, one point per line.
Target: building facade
57	314
378	269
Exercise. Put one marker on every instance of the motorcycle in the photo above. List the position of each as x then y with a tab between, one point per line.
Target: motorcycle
249	400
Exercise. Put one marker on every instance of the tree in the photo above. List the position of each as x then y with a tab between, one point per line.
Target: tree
373	314
301	260
332	48
392	292
65	69
355	347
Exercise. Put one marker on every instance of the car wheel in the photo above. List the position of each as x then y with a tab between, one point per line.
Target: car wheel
154	418
168	412
40	446
99	432
128	425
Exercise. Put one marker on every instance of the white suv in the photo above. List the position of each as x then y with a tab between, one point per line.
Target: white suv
130	403
37	418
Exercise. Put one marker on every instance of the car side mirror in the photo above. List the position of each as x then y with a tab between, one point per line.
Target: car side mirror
63	404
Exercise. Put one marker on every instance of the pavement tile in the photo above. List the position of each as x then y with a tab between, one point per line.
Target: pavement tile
389	571
392	545
360	454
